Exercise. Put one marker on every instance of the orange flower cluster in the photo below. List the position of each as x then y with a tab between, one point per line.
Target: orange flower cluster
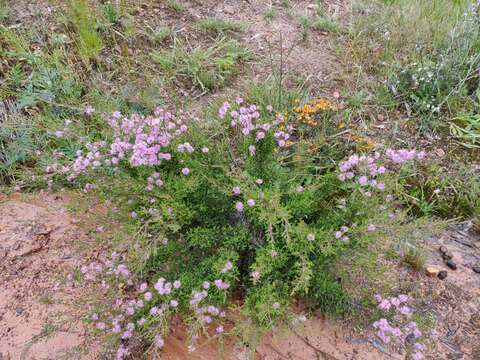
306	113
363	143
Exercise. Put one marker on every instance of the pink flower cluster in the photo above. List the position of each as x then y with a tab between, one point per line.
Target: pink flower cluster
403	155
363	169
404	334
247	118
119	321
138	139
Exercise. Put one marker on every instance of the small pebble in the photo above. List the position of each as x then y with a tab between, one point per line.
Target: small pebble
447	256
443	249
476	269
442	274
451	265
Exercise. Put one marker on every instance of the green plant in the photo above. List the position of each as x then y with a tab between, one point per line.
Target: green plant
306	23
327	25
206	68
466	128
162	33
270	14
111	13
174	6
17	145
4	10
89	42
217	26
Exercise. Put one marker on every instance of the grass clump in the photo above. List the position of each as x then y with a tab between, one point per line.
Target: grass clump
174	6
89	42
214	25
204	68
162	34
327	25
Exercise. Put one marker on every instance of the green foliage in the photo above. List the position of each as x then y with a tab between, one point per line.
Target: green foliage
111	13
162	33
431	71
17	145
436	190
205	68
174	6
89	42
327	25
4	10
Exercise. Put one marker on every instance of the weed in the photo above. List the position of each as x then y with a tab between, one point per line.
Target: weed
4	10
306	23
218	26
205	68
162	33
270	14
111	13
89	42
174	6
17	145
327	25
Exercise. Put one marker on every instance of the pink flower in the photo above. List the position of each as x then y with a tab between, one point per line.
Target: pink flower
236	190
239	206
177	284
362	180
101	326
185	171
174	303
159	342
310	237
269	108
371	227
255	275
228	266
259	181
252	150
417	356
148	296
206	285
219	329
89	110
251	202
384	305
381	186
338	234
205	150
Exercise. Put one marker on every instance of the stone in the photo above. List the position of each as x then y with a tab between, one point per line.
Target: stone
443	249
476	269
442	274
447	256
451	265
432	270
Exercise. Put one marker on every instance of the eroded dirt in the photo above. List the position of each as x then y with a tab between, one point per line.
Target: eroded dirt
37	251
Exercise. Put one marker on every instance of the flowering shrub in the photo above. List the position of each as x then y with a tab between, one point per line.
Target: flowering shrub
227	212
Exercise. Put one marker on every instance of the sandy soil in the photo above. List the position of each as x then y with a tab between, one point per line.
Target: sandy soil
37	251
